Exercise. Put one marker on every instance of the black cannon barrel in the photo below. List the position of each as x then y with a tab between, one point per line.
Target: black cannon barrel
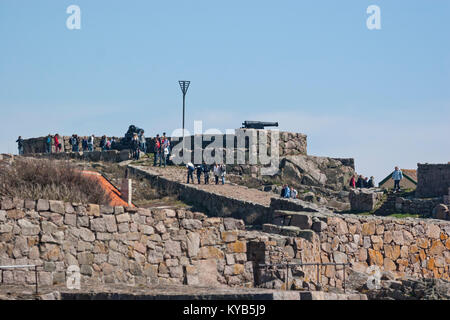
258	124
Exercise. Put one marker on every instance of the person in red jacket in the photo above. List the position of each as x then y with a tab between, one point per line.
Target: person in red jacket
353	182
57	143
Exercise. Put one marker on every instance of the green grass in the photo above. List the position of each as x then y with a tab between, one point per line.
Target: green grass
404	215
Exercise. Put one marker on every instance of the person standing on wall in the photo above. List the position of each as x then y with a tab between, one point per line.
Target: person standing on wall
371	183
135	146
397	176
58	145
103	143
360	182
48	143
20	145
91	143
352	182
142	142
84	144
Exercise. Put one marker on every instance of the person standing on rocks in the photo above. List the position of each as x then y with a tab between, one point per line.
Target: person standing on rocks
366	183
294	193
353	182
287	193
20	145
371	183
360	182
397	176
283	191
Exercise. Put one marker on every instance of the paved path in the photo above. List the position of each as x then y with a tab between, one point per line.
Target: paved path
229	190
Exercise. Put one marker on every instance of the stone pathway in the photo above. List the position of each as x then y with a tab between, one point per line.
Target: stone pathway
229	190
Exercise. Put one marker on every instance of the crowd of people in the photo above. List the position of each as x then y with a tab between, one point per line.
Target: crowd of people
362	182
219	171
161	150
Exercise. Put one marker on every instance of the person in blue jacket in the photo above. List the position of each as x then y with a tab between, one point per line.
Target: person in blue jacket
397	176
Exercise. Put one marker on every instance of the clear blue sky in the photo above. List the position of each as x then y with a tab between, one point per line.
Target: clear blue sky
379	96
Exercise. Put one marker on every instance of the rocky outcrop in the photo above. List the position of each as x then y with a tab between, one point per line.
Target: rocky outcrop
315	171
365	200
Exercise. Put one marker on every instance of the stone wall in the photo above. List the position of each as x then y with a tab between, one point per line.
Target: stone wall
38	145
433	180
125	245
163	246
289	144
107	156
396	204
403	247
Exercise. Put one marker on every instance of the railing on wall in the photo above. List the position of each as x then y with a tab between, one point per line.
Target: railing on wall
317	264
25	266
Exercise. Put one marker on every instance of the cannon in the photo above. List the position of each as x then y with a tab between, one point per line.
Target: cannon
258	124
126	141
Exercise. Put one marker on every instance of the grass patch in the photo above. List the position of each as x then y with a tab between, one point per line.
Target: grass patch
404	215
49	179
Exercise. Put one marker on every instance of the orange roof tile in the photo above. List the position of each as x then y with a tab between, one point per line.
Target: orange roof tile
113	192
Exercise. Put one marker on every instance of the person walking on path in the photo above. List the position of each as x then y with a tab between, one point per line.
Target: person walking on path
135	146
397	176
190	169
216	171
205	169
48	143
223	171
20	145
198	171
157	150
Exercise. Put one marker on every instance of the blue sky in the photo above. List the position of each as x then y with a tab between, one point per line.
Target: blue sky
380	96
